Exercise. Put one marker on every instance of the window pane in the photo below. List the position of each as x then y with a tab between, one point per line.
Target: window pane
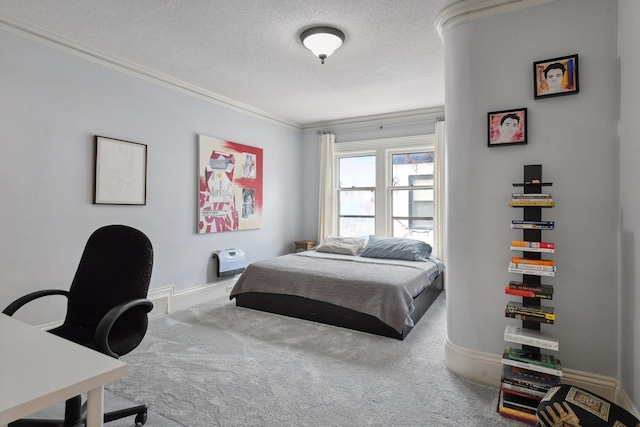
357	171
402	228
357	202
411	164
356	227
412	203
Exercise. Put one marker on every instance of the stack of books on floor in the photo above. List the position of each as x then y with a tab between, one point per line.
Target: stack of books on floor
540	313
536	267
537	199
522	289
526	378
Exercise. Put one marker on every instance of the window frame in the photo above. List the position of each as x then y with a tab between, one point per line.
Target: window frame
383	149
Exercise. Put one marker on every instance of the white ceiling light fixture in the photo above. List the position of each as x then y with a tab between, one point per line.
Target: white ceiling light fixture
322	41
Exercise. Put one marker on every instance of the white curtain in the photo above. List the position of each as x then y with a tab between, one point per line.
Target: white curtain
327	217
440	214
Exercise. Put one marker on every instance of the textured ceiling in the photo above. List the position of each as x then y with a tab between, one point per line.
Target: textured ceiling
249	51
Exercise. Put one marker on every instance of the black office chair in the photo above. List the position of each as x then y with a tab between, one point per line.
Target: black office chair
107	308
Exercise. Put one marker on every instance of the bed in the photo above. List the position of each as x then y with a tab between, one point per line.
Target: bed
377	295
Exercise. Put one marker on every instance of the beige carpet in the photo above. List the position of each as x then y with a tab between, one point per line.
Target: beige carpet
221	365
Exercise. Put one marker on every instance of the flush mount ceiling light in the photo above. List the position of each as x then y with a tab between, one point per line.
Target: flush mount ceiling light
322	41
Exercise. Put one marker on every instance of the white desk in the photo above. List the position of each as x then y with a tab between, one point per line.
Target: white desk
39	369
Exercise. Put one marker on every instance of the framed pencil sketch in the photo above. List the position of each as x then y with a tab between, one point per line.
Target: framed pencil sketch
120	172
556	77
507	127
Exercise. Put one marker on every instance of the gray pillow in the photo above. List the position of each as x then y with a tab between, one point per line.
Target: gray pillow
341	245
396	248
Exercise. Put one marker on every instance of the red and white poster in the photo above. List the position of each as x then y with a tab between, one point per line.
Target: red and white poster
230	186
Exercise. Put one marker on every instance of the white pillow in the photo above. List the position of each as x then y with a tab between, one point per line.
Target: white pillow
342	245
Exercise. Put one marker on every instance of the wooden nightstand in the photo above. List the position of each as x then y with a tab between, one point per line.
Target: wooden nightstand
304	245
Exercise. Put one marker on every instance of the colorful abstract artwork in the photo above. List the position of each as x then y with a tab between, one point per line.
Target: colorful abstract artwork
556	77
507	127
229	186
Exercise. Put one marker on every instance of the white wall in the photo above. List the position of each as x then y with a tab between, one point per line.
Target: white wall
629	56
488	67
52	104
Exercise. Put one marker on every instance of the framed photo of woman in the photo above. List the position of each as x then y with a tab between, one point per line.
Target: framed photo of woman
556	77
507	127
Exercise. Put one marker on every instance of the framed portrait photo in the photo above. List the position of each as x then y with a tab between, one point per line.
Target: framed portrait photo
507	127
555	77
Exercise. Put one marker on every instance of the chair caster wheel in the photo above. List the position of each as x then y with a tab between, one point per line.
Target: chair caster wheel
141	418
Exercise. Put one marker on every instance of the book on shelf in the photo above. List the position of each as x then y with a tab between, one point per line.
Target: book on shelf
524	224
522	391
541	311
527	293
530	195
545	203
531	182
527	378
540	270
523	403
528	317
530	337
540	362
510	411
532	245
531	272
540	250
537	267
520	260
515	284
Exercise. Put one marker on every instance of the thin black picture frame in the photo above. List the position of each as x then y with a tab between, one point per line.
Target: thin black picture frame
507	127
556	77
120	172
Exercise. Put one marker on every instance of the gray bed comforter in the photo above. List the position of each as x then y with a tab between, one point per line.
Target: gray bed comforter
381	288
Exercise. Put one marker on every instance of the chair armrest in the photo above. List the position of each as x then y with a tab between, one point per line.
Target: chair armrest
109	319
14	306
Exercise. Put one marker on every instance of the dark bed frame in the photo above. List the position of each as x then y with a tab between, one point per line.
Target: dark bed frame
331	314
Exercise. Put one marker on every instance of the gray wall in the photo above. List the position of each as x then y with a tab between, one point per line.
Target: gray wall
488	67
629	56
51	106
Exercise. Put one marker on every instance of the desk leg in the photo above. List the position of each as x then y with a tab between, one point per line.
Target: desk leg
95	407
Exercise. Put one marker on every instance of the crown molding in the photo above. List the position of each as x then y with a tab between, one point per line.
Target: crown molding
27	30
469	10
378	120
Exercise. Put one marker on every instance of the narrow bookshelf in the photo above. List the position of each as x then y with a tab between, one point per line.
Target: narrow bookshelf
530	370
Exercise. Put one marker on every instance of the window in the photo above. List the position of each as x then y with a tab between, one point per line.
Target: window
386	187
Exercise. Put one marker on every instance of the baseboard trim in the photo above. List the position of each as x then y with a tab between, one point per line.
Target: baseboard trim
487	368
167	300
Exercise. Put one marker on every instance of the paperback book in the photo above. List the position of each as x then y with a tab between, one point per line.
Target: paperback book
546	203
547	289
533	361
530	337
533	380
526	293
523	391
545	225
520	260
532	245
542	310
535	270
509	411
531	196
